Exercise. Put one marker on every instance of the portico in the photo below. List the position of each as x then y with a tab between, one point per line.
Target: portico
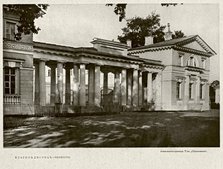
129	89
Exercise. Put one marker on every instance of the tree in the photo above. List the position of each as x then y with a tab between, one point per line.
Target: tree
138	28
27	14
177	34
215	84
120	9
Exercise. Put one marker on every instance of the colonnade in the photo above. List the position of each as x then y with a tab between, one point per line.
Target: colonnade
132	87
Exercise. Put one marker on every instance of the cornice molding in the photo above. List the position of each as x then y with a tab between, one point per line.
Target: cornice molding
17	46
150	50
194	51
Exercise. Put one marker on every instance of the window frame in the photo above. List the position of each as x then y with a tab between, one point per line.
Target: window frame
203	63
179	90
12	35
181	60
203	85
191	90
192	61
10	87
201	90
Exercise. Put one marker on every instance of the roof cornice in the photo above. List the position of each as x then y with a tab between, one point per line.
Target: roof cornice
150	50
184	49
177	44
194	51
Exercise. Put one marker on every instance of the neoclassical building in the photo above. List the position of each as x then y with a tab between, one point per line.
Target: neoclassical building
39	77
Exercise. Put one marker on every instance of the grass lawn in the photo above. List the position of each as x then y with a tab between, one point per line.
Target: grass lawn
149	129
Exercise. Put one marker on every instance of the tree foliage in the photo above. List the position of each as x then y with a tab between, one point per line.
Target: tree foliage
138	28
178	34
215	84
119	9
27	14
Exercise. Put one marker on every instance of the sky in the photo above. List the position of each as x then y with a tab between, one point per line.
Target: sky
77	24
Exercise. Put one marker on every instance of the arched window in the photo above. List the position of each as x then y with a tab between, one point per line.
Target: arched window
203	63
192	61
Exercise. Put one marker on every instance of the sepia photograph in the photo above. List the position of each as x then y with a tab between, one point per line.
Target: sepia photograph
111	75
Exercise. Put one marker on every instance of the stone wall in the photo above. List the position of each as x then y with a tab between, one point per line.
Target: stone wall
26	86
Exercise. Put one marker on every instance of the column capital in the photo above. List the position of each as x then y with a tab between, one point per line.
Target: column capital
116	70
82	63
92	65
51	64
37	60
68	65
75	65
140	73
98	64
105	69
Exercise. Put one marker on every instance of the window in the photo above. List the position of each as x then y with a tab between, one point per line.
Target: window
9	80
180	60
192	62
203	63
178	90
201	91
10	30
191	90
189	62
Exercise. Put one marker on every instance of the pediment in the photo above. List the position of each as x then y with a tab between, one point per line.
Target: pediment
195	45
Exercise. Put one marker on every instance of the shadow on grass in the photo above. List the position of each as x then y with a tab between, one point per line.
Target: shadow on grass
128	130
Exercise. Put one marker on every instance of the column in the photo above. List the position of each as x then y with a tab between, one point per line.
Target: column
76	85
135	89
206	96
129	101
140	89
144	88
42	83
59	98
197	93
67	85
82	86
116	87
149	87
97	89
37	83
91	91
158	91
53	84
123	87
186	91
145	96
105	84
